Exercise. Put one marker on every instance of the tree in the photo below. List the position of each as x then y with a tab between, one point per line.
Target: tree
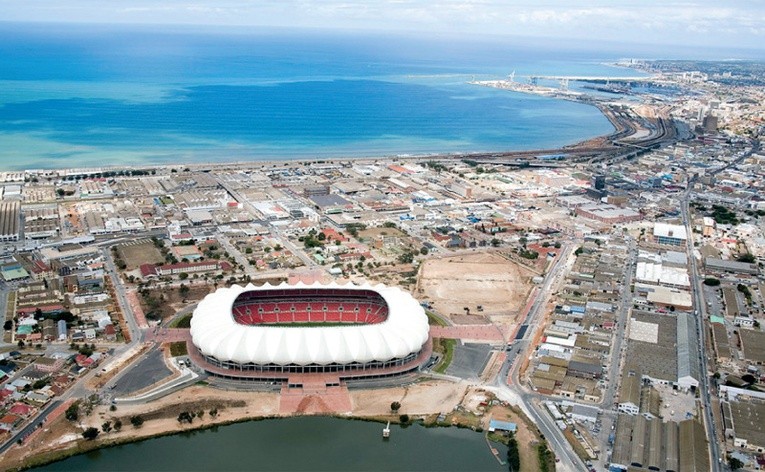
73	412
513	456
711	282
404	419
85	350
39	384
495	242
117	425
90	433
735	463
424	251
136	421
20	344
106	426
8	325
748	257
185	417
394	407
184	290
406	258
183	276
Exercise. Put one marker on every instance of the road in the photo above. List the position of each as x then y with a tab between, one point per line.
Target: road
621	324
530	402
4	292
275	233
608	417
236	254
754	149
31	426
119	289
700	316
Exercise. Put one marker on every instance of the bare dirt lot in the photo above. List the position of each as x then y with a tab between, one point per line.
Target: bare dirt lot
371	233
454	283
166	302
139	252
423	398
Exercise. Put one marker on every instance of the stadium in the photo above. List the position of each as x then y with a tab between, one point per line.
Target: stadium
275	332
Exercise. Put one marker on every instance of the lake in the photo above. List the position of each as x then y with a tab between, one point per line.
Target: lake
301	443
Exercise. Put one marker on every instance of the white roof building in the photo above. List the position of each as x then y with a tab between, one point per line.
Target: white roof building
217	334
665	233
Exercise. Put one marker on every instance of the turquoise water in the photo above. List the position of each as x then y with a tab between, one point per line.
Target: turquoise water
89	96
306	443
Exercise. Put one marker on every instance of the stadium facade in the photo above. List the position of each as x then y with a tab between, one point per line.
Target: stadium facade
273	332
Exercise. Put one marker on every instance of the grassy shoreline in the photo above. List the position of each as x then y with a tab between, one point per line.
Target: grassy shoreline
84	447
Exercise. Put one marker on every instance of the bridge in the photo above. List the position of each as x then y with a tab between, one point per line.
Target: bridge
590	78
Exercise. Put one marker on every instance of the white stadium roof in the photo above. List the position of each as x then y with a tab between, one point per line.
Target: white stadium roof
216	334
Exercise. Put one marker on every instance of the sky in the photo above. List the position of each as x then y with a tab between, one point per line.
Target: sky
735	24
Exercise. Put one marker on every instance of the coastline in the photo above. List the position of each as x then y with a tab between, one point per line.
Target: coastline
573	148
233	151
586	145
424	403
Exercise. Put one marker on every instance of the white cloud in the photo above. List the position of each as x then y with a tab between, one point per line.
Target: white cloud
733	23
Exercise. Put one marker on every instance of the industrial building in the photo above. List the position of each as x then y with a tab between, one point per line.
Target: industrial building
712	264
663	348
650	444
10	216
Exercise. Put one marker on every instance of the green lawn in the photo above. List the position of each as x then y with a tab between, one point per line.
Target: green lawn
178	349
182	322
445	347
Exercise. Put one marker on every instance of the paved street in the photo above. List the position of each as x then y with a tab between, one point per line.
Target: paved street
530	401
700	316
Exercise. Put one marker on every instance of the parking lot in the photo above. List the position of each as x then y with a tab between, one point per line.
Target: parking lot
147	372
469	360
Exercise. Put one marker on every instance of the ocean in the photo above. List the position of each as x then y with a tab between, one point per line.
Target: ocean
82	96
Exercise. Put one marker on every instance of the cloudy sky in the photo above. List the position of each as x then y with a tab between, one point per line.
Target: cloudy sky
727	23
